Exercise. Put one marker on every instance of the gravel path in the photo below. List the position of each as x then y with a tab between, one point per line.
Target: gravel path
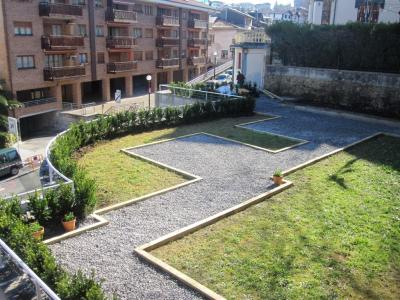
231	174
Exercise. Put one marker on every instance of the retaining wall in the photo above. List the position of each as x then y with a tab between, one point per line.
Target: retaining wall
375	93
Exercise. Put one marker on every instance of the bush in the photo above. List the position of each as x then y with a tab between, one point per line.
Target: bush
18	236
355	46
7	139
39	208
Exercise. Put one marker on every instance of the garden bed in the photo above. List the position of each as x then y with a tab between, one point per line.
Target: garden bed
120	177
333	235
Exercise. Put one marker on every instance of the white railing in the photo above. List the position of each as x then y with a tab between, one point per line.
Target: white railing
254	36
176	96
209	74
86	108
39	102
10	261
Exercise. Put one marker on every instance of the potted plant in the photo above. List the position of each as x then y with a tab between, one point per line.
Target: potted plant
69	222
278	177
37	230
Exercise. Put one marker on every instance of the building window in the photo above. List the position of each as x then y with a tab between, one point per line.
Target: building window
137	33
83	58
175	53
100	58
183	54
138	55
138	8
23	28
98	3
25	62
184	34
81	28
148	33
184	15
240	60
149	55
174	33
224	54
54	60
99	30
56	29
78	2
148	10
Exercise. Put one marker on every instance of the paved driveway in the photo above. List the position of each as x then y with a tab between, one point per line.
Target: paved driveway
231	174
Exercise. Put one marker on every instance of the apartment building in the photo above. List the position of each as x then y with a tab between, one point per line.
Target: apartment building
80	51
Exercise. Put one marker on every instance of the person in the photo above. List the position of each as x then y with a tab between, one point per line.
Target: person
240	79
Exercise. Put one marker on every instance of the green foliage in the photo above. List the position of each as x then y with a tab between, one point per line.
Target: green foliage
278	173
18	236
69	217
39	207
85	194
7	139
35	226
11	207
355	46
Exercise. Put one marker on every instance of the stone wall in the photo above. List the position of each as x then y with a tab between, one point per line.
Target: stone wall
375	93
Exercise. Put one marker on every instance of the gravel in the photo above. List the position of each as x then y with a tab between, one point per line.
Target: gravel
231	174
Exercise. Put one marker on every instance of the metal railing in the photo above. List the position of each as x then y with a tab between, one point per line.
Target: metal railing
11	264
167	41
39	102
209	74
198	24
53	73
46	9
176	96
196	42
121	108
167	62
62	41
117	15
167	21
196	60
122	66
120	42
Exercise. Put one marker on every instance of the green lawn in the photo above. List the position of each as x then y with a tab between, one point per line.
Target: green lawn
120	177
335	234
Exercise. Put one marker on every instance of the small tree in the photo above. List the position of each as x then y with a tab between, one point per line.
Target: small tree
5	104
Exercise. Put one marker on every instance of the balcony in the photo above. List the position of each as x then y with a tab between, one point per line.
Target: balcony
167	21
52	42
123	66
167	42
164	63
121	16
195	43
193	61
54	73
49	9
120	42
197	24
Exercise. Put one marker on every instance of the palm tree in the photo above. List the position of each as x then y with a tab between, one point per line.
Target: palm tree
5	105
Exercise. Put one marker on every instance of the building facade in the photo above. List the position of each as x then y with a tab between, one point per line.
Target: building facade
79	51
340	12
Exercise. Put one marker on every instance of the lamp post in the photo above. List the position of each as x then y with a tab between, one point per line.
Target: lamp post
215	61
148	78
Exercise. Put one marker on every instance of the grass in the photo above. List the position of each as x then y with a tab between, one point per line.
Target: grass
120	177
335	234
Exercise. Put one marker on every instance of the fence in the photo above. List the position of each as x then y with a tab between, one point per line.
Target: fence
210	74
87	108
23	279
177	96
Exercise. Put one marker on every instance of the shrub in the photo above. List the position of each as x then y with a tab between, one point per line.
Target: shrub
7	139
69	217
39	208
85	194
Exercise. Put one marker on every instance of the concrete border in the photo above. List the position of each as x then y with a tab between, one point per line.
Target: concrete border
300	141
143	250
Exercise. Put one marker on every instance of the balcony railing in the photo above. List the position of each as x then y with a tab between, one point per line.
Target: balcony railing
52	42
167	63
197	24
193	43
123	16
167	41
120	42
54	73
47	9
192	61
123	66
167	21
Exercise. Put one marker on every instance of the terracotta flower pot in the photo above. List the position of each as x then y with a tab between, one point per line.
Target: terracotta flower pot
38	234
69	225
278	180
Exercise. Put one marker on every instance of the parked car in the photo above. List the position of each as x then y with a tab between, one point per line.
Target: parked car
229	72
10	162
220	80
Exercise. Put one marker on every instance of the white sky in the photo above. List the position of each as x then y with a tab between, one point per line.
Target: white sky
260	1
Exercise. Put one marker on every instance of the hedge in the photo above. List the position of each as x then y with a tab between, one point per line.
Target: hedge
82	134
355	46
